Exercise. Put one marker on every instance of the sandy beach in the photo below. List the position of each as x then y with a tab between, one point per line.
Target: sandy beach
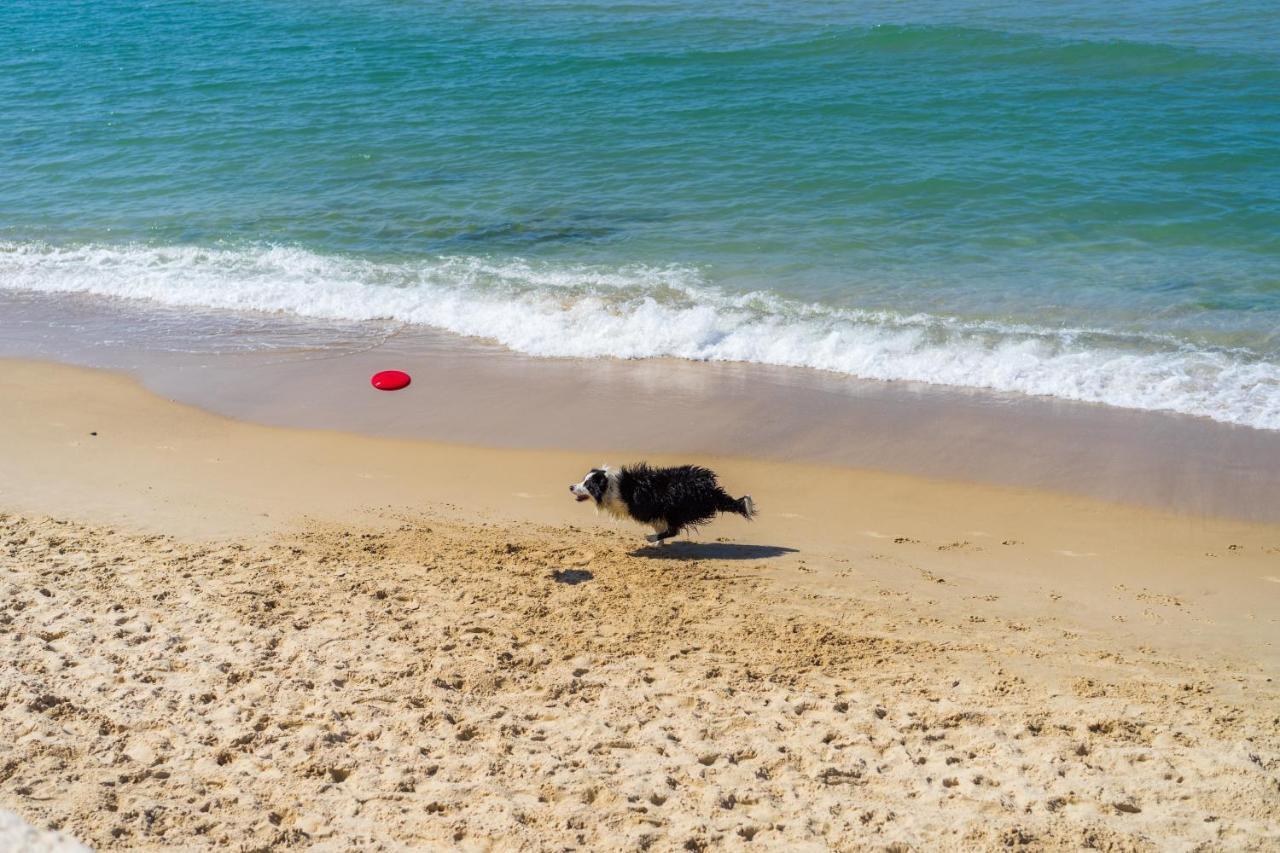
232	635
971	308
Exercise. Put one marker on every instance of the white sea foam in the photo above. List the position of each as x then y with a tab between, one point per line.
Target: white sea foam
640	312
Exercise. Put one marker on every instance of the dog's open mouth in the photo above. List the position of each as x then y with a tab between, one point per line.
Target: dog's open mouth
580	498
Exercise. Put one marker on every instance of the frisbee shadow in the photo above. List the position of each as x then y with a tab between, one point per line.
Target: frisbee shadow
711	551
572	577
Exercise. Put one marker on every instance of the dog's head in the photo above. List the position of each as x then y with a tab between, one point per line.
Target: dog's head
594	485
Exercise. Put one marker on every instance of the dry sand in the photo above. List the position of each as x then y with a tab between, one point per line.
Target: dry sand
229	635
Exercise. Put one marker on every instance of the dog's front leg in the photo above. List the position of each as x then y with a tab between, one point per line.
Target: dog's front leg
660	537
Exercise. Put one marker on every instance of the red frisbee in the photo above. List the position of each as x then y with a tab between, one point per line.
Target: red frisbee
390	380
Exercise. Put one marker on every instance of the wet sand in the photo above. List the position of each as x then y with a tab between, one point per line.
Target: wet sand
469	392
227	634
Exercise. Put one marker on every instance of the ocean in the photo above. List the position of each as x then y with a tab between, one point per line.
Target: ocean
1072	199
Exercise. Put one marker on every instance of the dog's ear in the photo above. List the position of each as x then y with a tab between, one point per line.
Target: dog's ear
596	484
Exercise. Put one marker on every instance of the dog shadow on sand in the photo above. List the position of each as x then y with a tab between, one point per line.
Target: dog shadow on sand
686	550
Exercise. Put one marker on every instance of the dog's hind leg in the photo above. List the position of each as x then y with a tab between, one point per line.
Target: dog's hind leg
657	538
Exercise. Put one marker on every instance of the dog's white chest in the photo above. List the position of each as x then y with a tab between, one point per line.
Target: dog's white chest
612	501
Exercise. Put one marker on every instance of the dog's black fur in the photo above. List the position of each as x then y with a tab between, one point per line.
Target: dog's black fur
669	499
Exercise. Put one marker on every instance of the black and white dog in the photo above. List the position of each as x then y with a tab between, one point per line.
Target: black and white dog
667	499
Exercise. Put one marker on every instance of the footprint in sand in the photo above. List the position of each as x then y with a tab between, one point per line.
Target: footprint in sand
1160	598
964	545
930	576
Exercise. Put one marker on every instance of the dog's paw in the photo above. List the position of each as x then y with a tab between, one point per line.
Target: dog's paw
652	538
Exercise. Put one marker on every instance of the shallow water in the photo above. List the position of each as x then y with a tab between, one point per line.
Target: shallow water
1078	200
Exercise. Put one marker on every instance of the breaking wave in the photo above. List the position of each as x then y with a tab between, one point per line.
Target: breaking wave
644	311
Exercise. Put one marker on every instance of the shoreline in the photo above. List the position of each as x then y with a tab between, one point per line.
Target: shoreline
1131	360
475	393
230	633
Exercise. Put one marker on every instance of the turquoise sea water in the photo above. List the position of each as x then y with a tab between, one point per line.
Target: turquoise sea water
1075	199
